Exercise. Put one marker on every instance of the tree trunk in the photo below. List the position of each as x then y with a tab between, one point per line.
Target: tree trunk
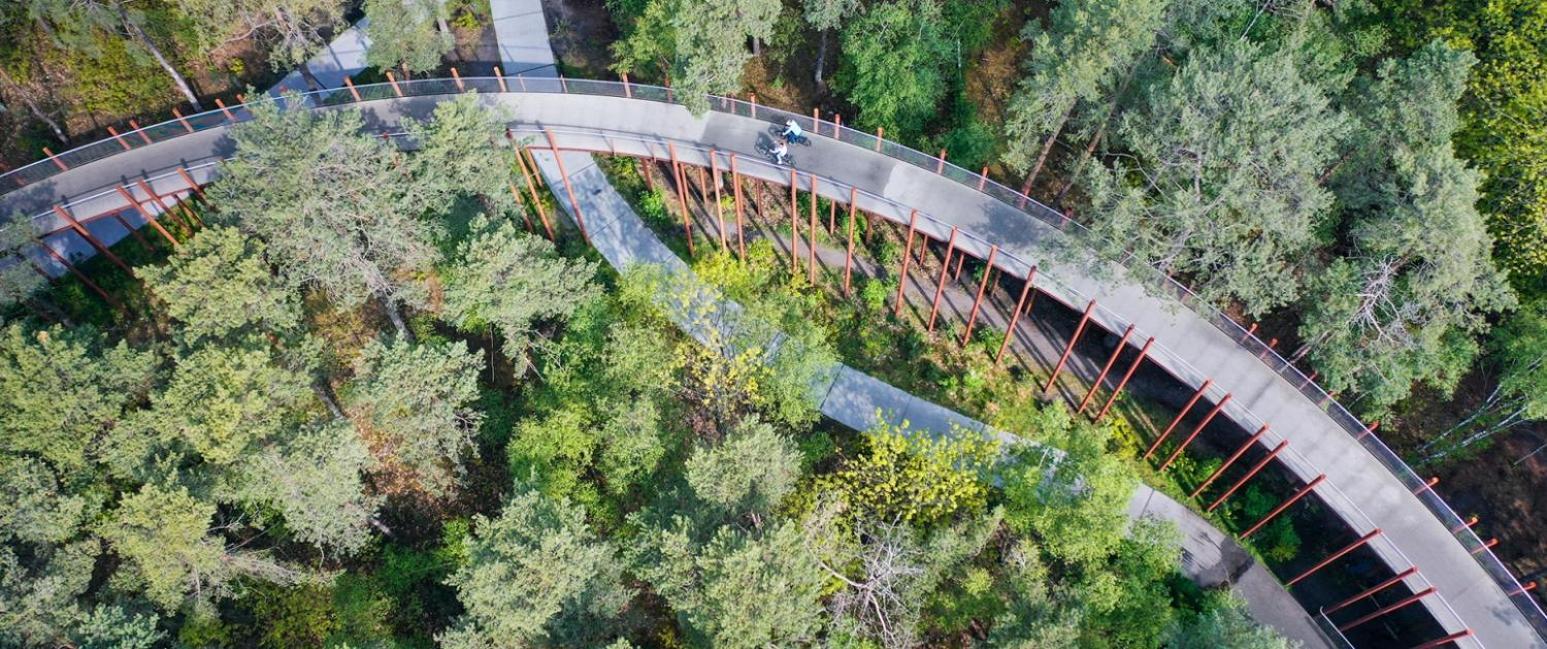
821	60
325	395
21	93
396	315
311	79
1047	147
757	47
144	40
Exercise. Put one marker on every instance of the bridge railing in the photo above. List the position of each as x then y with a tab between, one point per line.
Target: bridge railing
48	167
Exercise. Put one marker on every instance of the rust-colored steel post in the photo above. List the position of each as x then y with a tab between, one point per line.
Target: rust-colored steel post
143	135
568	188
832	217
1015	315
82	276
1440	642
682	194
719	207
848	257
458	78
1195	431
1469	522
183	210
531	184
146	214
1230	461
1427	485
1179	415
133	232
794	226
741	240
224	110
1486	546
1388	609
983	178
1249	474
55	159
940	166
907	254
816	121
119	138
92	239
1111	360
1069	348
993	251
880	132
1143	353
960	260
753	97
188	179
500	77
811	235
393	80
1303	492
353	92
182	120
1397	578
1358	543
934	310
526	216
837	127
628	92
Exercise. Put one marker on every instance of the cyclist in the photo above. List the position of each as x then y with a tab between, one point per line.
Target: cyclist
791	131
780	150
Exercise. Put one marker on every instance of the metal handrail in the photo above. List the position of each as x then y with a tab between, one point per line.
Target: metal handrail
1247	339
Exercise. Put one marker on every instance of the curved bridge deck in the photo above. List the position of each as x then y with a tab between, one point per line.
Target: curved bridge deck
1364	483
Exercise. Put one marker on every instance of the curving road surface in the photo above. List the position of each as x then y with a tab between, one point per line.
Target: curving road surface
1357	486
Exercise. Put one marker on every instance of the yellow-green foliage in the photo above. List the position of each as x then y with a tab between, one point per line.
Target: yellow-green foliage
914	477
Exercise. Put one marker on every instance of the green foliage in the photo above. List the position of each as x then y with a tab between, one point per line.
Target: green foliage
404	32
537	575
510	280
299	616
462	151
315	482
894	65
219	285
1224	622
1221	186
748	473
417	399
913	477
162	535
60	388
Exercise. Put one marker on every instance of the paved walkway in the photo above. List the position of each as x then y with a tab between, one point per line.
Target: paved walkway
1187	346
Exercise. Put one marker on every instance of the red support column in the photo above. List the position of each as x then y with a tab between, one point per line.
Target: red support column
982	178
1468	523
223	109
1096	385
119	138
526	217
1231	460
682	194
118	216
1388	609
1358	543
568	188
1486	546
186	213
1143	352
458	78
1195	431
393	80
934	310
1069	348
1249	475
907	254
794	227
848	258
143	135
149	218
91	239
719	208
353	92
182	120
629	92
1303	492
741	241
811	235
188	178
940	166
531	185
1440	642
1179	415
1427	485
55	159
1015	315
1370	591
993	251
880	132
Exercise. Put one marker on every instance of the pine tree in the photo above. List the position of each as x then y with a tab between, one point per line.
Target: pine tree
417	401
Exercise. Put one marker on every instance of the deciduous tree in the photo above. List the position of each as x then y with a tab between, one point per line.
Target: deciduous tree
893	68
